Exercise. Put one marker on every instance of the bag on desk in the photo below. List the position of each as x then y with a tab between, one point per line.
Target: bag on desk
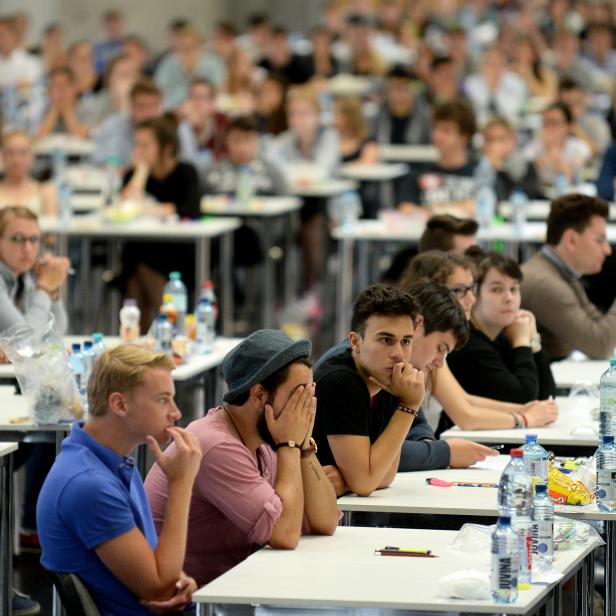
42	371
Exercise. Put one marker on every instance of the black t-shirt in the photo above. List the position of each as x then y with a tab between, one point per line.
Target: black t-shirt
397	134
180	187
433	185
344	405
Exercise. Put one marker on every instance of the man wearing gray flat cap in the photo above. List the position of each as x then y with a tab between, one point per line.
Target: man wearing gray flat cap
260	481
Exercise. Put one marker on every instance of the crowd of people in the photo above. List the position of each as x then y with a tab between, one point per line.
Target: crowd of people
517	95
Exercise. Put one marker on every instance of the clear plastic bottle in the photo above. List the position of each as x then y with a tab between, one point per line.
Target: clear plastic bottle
113	180
535	460
515	500
98	344
606	474
519	203
164	335
206	327
607	404
177	289
485	196
505	562
78	368
245	190
129	321
65	196
88	358
542	529
208	292
168	308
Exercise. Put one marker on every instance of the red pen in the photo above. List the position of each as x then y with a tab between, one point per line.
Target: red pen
441	483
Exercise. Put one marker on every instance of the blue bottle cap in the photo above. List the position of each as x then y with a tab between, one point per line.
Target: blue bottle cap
504	520
97	337
613	361
163	317
608	440
76	347
531	438
175	276
541	488
87	345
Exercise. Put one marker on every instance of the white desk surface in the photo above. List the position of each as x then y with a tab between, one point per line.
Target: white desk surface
408	153
7	448
410	494
348	85
571	418
377	230
324	188
262	207
569	372
72	146
539	209
86	202
196	365
343	571
379	172
94	226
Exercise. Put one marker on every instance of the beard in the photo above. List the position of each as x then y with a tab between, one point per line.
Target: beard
264	432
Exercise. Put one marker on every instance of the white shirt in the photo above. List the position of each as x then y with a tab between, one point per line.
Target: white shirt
19	67
575	152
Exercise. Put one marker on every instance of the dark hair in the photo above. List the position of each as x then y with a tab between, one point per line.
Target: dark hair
536	65
244	124
272	382
201	81
383	300
563	108
441	229
599	26
61	70
566	84
165	130
279	30
484	262
400	72
112	14
441	311
458	112
258	19
434	265
439	61
227	28
111	66
573	212
144	86
178	23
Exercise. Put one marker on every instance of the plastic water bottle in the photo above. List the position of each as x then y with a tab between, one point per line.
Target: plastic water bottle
206	327
164	335
519	203
515	500
208	292
113	179
98	345
65	196
88	358
176	288
485	179
535	460
168	308
244	190
350	208
542	529
129	321
607	404
78	368
561	184
505	562
606	474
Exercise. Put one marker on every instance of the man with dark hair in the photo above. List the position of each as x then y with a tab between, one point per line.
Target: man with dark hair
110	46
449	234
403	119
280	59
447	185
260	481
576	245
370	392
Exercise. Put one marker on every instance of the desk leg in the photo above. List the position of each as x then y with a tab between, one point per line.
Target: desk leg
610	571
347	518
226	282
269	273
201	248
85	284
582	586
6	533
345	287
290	275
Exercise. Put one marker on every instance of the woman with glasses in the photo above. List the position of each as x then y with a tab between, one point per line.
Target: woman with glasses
503	358
447	401
29	283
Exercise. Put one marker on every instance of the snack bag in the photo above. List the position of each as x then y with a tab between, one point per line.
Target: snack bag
565	490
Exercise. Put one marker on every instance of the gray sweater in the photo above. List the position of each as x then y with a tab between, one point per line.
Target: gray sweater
37	305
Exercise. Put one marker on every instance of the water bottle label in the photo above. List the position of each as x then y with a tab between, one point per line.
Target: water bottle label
506	575
606	480
542	537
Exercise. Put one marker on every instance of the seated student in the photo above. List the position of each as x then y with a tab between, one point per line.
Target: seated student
448	185
555	151
93	514
443	232
63	113
370	393
576	244
158	173
403	119
503	358
271	105
259	482
18	187
280	59
511	170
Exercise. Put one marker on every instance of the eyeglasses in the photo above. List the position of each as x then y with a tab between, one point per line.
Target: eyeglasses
462	291
20	240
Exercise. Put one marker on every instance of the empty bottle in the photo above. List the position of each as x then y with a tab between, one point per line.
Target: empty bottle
606	474
519	203
208	292
176	288
515	500
505	562
88	358
535	460
78	368
130	316
98	345
164	335
485	197
113	180
542	529
206	327
607	404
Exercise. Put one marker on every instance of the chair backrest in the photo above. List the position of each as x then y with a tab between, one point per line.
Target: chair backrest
76	600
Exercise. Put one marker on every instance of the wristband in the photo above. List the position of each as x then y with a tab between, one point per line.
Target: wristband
291	444
408	410
518	422
53	293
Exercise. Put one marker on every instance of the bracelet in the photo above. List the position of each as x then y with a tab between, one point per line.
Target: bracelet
53	293
518	422
408	410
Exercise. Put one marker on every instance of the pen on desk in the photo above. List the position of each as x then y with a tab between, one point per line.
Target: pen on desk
501	446
410	552
441	483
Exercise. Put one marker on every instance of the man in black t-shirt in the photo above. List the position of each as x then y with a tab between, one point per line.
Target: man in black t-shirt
361	426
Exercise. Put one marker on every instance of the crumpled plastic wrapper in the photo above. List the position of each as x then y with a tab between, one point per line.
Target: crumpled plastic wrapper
565	490
465	584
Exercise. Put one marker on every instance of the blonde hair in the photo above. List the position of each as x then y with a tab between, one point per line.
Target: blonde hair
9	134
121	369
306	94
351	109
12	212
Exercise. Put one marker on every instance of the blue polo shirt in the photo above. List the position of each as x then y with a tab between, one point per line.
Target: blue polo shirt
90	496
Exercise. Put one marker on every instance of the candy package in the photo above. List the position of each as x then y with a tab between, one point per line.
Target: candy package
565	490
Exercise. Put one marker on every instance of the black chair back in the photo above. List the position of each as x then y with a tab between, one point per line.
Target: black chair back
76	600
